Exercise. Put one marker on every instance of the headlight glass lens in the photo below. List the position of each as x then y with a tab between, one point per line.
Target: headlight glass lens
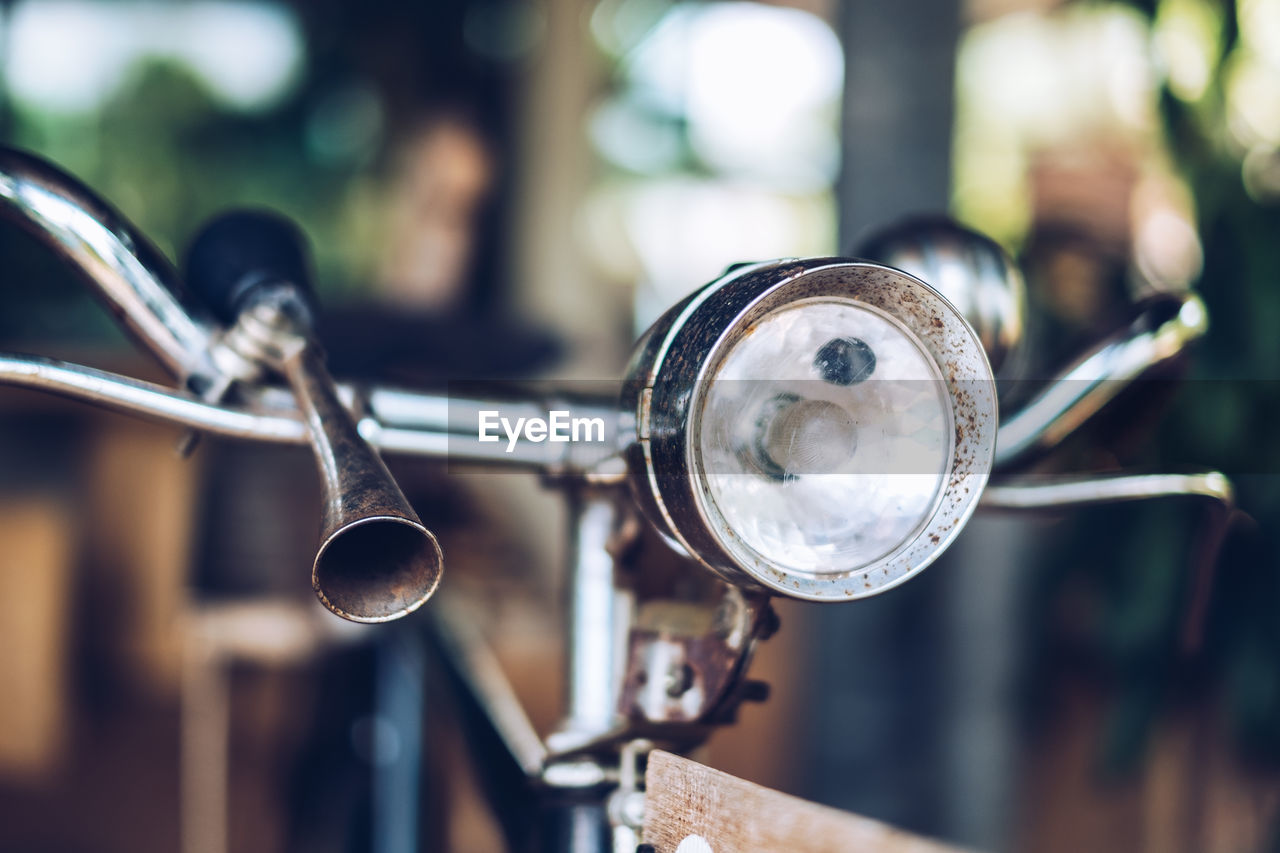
825	438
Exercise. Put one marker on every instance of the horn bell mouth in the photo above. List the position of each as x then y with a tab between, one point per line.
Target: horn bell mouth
377	569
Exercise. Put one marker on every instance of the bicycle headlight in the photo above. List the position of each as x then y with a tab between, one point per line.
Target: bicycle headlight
819	428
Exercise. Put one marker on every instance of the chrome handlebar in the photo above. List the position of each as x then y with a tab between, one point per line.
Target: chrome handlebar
394	420
442	426
135	281
1093	380
144	293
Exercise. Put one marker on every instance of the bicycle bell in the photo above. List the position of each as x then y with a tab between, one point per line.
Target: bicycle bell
819	428
969	269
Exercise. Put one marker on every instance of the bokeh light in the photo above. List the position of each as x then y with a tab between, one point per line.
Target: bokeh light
71	56
722	140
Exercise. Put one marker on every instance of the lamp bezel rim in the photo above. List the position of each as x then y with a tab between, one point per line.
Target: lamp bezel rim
688	343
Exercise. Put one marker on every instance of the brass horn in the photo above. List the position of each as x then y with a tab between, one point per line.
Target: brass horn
376	560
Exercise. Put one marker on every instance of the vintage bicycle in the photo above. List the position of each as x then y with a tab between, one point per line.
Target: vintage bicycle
817	428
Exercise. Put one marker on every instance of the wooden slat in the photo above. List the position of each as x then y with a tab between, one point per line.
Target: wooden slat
35	578
141	498
729	815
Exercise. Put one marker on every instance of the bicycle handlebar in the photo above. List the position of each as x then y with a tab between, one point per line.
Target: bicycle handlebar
145	294
1081	390
139	286
143	291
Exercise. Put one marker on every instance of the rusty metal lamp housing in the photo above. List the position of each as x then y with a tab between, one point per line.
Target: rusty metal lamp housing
820	429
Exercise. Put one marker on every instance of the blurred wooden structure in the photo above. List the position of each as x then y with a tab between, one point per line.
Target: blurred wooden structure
1192	792
683	799
35	570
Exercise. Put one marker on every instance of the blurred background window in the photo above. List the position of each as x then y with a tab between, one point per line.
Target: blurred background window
719	139
357	122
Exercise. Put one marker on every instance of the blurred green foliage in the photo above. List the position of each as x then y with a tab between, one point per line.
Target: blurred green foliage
1135	563
168	156
1229	412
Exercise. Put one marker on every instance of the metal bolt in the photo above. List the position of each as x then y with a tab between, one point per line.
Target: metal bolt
679	680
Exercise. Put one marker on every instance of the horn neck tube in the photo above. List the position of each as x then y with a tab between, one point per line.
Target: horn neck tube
376	560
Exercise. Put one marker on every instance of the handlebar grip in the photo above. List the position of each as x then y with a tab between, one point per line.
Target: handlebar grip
238	254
